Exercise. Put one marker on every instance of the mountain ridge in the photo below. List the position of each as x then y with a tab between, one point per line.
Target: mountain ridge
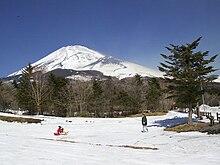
81	58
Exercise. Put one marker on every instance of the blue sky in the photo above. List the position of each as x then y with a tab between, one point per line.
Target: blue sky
133	30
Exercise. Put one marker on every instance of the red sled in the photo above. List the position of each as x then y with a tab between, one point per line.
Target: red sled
58	134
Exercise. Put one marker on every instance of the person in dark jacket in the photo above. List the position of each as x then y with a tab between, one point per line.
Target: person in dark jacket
144	123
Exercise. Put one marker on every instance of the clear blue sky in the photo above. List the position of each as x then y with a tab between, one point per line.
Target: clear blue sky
133	30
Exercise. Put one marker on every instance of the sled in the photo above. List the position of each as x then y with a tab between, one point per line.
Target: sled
58	134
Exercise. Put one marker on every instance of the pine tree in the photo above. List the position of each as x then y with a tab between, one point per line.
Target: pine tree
126	103
57	99
137	92
97	89
186	70
109	93
24	94
96	102
153	94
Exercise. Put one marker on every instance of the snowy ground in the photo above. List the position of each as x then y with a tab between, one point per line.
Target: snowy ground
97	141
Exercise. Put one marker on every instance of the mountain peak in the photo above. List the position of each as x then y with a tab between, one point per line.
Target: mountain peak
79	48
69	57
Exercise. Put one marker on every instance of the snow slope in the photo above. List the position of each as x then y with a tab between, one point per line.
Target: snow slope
217	80
99	141
81	58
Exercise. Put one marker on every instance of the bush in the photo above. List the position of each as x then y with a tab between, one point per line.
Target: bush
19	119
187	127
211	129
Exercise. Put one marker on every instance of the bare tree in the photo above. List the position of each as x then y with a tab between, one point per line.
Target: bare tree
39	88
77	92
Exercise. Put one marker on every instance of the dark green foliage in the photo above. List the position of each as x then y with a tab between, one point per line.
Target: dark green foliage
56	85
126	101
153	95
24	95
57	98
97	89
137	93
110	95
137	80
186	70
96	102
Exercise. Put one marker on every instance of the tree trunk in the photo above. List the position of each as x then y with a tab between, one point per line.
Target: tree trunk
39	109
80	107
198	111
190	114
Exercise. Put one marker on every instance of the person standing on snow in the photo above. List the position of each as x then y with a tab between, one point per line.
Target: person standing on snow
144	123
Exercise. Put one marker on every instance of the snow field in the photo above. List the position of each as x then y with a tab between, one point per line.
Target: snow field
98	140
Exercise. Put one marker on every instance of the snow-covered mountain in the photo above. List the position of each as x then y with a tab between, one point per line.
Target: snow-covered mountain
80	58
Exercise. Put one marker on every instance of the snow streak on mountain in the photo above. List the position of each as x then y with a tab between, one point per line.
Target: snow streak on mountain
81	58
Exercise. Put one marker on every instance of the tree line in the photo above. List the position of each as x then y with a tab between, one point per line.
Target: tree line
52	95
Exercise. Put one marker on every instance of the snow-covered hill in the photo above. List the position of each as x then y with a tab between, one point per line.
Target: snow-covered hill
81	58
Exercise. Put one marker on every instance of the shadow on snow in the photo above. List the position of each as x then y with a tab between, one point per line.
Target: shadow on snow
171	122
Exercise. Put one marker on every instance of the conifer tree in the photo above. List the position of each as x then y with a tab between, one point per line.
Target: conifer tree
109	93
56	101
153	94
96	98
186	70
137	92
24	94
126	102
97	89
